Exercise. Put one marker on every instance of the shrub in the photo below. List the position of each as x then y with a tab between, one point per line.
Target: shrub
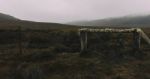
40	56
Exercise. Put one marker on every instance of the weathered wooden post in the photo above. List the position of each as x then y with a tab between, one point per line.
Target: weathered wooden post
120	42
137	40
20	40
83	38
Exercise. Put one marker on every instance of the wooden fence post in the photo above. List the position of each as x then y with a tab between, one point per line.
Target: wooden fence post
83	38
120	41
137	40
20	40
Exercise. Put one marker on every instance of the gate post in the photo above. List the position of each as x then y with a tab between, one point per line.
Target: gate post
137	40
83	39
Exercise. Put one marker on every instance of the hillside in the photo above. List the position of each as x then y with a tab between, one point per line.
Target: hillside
55	54
5	17
125	21
10	22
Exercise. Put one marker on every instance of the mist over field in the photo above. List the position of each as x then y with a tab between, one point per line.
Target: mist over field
62	11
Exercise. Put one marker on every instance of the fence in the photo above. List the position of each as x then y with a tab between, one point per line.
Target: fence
137	34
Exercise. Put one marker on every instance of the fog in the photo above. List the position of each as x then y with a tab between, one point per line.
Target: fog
72	10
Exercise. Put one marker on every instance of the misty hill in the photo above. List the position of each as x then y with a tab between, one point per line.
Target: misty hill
128	20
10	22
5	17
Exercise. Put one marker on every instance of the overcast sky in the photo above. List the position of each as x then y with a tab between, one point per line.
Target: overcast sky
72	10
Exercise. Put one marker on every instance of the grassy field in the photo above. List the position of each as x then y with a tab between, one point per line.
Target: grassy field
55	54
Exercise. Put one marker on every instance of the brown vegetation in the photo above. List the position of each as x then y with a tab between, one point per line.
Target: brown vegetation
55	54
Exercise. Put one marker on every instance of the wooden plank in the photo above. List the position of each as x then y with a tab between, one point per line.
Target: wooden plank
111	30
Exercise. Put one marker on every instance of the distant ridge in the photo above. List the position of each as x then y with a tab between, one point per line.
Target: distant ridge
5	17
128	20
10	22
